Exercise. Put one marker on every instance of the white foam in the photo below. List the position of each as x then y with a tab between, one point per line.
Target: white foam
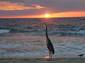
4	31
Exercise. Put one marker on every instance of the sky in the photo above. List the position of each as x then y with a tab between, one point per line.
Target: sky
38	8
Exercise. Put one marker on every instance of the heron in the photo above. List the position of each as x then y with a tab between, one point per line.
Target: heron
49	44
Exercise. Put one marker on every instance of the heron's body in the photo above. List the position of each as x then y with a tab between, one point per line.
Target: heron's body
49	44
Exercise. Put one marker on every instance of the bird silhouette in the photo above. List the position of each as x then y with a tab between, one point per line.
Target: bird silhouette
49	44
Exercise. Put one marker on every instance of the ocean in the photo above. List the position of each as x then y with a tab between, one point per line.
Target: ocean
25	38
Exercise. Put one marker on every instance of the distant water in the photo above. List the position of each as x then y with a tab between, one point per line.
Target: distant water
25	38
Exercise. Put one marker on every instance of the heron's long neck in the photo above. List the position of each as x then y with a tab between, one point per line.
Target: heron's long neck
47	33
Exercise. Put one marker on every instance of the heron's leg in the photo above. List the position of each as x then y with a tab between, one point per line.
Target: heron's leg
50	55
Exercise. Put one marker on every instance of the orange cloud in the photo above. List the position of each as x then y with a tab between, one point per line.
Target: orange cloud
17	6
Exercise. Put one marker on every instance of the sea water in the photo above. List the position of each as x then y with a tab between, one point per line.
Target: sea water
25	38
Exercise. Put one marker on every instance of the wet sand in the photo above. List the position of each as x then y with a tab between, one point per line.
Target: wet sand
42	60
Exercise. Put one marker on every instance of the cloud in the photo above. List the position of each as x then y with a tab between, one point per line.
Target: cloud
17	6
37	6
61	5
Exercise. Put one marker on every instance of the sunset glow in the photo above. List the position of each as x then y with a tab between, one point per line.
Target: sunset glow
41	8
47	15
51	15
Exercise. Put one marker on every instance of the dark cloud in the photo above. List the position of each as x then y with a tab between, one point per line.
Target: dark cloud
52	5
57	4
